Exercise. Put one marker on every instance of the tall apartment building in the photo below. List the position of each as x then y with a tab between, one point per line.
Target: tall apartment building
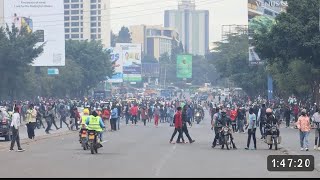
155	40
87	20
192	26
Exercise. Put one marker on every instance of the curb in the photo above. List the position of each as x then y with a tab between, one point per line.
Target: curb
40	138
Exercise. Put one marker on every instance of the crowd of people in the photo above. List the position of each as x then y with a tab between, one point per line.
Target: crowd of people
243	114
240	115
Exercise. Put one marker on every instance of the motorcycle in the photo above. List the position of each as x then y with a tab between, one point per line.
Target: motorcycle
83	139
225	138
198	117
272	136
93	141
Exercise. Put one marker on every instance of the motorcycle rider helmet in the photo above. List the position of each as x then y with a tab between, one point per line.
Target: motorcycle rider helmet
86	111
94	113
269	111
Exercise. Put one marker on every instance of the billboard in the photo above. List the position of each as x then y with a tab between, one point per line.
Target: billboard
46	18
131	55
261	15
117	62
184	66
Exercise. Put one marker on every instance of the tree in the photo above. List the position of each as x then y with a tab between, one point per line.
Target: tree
292	48
113	38
92	60
168	67
202	71
18	50
231	61
176	50
124	35
149	59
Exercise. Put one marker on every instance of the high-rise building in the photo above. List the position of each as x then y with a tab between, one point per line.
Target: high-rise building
192	25
260	9
87	20
155	40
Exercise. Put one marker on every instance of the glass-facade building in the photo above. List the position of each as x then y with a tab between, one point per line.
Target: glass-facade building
192	26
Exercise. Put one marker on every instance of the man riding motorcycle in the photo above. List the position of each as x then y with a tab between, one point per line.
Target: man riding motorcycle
200	110
95	123
84	118
221	122
270	121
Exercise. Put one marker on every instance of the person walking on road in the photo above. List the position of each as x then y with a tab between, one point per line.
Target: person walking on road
49	116
134	114
287	114
262	117
252	126
114	117
171	115
303	124
185	120
156	114
119	107
39	118
177	125
144	115
316	122
53	117
74	118
15	124
31	121
63	116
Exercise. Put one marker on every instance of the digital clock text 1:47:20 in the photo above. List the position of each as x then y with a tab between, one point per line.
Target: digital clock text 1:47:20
290	163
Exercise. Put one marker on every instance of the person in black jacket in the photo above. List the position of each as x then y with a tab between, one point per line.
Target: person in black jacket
262	121
185	120
287	113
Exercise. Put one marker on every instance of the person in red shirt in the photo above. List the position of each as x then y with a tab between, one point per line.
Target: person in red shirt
233	117
144	115
134	114
177	124
105	115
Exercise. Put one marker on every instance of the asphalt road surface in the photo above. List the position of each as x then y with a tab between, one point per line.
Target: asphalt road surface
140	152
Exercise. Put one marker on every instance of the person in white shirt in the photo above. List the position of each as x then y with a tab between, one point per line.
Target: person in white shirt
15	123
316	122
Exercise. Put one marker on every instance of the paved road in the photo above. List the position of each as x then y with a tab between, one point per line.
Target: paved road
138	152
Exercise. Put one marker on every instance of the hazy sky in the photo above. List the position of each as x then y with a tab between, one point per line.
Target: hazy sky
151	12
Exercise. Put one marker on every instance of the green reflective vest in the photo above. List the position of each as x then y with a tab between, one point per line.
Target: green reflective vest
94	124
84	119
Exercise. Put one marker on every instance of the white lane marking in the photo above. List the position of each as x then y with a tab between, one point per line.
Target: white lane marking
164	160
104	141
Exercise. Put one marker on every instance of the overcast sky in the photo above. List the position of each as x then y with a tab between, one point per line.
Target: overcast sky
151	12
